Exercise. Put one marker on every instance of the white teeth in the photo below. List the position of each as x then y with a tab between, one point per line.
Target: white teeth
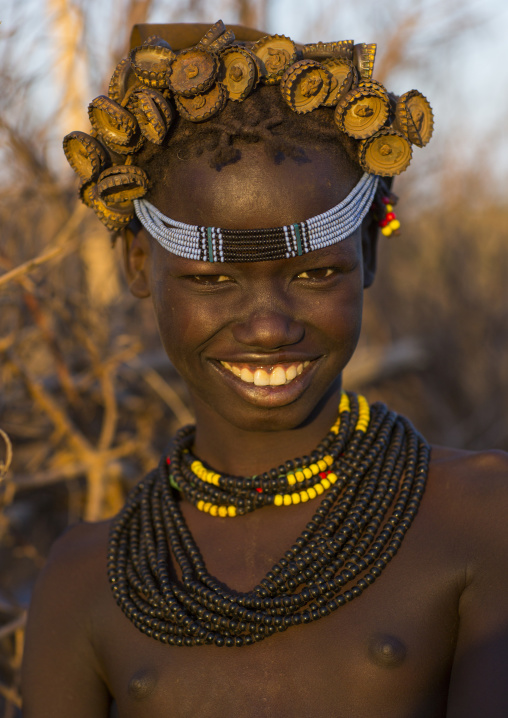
278	376
291	373
247	375
261	378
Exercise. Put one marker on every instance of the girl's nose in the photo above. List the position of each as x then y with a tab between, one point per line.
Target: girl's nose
268	330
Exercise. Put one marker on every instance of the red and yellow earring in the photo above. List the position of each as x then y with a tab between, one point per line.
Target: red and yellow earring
389	223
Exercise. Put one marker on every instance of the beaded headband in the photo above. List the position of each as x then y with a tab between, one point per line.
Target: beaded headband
159	81
214	244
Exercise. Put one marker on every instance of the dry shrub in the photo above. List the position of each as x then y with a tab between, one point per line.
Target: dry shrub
442	284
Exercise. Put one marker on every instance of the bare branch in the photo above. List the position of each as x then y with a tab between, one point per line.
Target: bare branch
13	626
62	245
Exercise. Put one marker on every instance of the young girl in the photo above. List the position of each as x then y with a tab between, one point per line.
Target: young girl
298	552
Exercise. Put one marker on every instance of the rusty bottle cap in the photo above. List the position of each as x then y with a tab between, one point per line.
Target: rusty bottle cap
387	153
305	85
201	107
277	53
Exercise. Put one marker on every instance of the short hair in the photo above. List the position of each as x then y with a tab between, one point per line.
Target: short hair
263	117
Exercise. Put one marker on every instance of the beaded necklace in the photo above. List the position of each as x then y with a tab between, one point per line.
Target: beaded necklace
380	465
213	244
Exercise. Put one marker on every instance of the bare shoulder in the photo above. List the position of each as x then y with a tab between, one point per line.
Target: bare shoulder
83	541
60	636
77	560
478	478
469	492
71	586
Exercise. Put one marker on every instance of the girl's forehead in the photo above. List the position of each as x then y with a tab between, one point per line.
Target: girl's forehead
254	192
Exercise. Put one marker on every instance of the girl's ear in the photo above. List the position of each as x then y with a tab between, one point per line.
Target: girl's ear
136	259
370	233
371	230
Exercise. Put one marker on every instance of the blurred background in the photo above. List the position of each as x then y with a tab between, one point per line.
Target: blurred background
87	398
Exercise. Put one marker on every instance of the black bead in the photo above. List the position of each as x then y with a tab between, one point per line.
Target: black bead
382	475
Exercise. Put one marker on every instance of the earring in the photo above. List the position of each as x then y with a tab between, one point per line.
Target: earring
389	224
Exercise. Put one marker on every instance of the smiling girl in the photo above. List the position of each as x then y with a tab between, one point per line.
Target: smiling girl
297	552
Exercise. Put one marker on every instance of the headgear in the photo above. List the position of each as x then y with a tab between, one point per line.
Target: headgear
194	75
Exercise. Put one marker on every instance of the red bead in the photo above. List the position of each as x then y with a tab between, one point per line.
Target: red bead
168	461
260	491
383	222
386	200
323	474
390	216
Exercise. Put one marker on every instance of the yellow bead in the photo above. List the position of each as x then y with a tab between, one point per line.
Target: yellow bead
345	404
207	506
322	465
307	472
300	476
200	505
325	483
314	468
386	231
334	429
389	208
328	460
304	496
287	500
295	498
214	510
394	224
195	466
223	511
278	500
291	479
318	488
312	492
231	511
332	478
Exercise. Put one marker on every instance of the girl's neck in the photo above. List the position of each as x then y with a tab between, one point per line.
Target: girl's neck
235	451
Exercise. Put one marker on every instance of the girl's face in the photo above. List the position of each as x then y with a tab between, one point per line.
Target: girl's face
262	344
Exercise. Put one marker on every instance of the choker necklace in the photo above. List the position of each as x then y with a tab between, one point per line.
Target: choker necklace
213	244
380	463
294	482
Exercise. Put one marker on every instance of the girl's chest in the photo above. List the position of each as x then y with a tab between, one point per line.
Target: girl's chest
388	652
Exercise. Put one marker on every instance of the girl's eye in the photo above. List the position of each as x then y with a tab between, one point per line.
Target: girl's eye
321	273
210	278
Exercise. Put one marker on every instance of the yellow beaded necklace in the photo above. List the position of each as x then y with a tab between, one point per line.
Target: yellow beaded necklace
293	478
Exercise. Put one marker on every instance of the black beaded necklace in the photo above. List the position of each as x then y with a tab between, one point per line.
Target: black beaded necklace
381	470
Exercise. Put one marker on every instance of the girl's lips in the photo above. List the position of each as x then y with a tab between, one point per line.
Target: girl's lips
268	394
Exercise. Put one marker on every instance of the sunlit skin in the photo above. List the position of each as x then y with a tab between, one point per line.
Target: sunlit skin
428	640
262	313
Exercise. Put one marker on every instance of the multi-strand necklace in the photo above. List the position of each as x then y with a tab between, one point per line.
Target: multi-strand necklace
371	471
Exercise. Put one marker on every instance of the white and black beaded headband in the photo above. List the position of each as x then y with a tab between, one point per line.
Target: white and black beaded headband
213	244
